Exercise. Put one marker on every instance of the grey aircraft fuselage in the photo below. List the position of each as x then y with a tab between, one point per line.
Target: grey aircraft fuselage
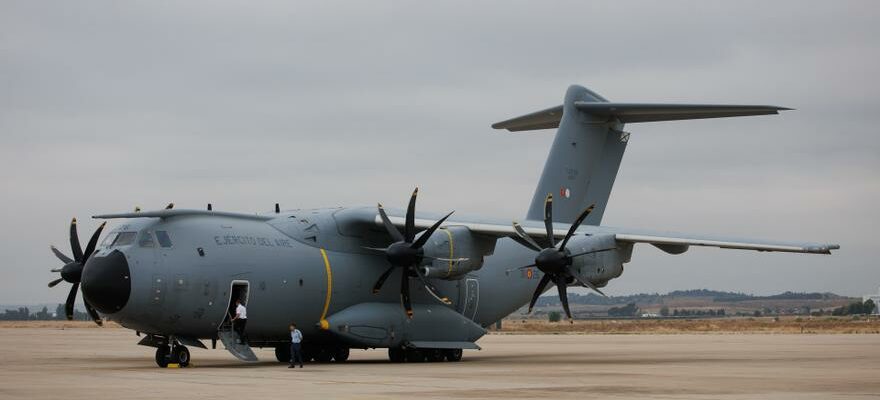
177	291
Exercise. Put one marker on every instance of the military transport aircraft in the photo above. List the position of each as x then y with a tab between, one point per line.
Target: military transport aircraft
423	285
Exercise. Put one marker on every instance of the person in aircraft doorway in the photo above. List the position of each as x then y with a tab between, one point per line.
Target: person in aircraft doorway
296	338
239	322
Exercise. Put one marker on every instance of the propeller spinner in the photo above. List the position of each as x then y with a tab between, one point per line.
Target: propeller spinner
72	270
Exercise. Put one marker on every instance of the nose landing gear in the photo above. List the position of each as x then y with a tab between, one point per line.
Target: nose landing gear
177	354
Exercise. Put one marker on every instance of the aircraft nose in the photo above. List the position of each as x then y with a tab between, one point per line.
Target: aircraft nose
106	282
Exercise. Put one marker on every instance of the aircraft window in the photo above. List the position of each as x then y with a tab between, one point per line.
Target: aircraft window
163	238
146	239
108	240
124	239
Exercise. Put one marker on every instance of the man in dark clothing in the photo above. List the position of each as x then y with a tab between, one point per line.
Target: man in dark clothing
295	346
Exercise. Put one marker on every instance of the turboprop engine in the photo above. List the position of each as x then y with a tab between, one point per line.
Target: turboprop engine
454	251
596	266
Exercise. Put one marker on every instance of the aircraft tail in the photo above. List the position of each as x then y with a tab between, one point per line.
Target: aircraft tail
590	142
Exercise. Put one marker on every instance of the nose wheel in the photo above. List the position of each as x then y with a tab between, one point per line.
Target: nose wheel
177	354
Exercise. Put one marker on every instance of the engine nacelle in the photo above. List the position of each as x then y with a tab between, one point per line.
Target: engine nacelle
599	267
455	242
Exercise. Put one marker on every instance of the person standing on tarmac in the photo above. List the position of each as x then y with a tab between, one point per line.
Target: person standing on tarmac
239	322
296	338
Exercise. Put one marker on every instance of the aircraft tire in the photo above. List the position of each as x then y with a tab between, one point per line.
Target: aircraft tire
415	355
181	354
396	355
307	353
323	355
282	353
453	354
162	353
340	354
434	355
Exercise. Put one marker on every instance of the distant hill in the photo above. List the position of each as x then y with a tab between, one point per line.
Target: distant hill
655	298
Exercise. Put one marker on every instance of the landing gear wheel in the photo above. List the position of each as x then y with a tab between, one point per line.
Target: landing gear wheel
323	355
308	354
453	354
181	353
434	355
396	355
415	355
162	353
341	354
282	353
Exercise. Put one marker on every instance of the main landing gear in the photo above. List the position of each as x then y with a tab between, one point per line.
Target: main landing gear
398	355
316	353
177	354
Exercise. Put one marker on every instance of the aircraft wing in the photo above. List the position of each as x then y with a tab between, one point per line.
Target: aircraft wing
663	239
668	241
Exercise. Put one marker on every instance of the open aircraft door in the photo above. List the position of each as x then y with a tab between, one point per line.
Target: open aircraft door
238	289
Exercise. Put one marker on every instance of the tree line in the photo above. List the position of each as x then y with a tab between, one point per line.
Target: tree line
25	314
856	308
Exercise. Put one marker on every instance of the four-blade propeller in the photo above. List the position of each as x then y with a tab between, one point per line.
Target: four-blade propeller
406	253
553	261
72	269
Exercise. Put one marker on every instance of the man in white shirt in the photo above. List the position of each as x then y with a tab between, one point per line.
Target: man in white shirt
296	338
239	322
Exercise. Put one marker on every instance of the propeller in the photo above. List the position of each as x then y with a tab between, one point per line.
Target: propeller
406	253
72	270
555	261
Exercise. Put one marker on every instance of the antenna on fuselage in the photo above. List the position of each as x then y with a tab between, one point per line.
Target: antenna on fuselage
169	206
277	208
209	207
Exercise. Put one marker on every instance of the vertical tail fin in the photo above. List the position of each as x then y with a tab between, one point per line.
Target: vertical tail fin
589	145
583	160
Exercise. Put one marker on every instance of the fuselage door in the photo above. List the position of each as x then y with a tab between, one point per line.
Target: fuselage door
469	294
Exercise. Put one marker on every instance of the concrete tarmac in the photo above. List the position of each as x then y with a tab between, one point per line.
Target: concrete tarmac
106	363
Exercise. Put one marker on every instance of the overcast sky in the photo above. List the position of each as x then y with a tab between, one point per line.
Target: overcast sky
108	105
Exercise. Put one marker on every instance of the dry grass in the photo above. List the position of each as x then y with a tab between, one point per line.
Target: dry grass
784	325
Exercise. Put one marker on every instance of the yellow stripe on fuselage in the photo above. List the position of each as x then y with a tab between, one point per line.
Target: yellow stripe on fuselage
324	324
451	248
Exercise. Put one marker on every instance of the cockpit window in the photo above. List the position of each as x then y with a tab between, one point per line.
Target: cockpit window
124	239
146	239
163	238
108	240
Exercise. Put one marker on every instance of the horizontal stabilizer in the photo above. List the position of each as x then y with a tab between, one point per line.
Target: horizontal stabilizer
635	112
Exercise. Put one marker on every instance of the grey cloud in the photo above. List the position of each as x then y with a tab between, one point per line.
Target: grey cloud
107	105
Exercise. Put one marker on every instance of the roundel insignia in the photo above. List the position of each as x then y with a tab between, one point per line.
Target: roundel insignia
565	192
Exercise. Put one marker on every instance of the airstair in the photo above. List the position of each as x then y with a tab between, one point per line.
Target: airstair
234	344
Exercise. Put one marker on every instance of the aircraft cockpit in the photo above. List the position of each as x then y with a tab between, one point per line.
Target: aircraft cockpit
145	238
